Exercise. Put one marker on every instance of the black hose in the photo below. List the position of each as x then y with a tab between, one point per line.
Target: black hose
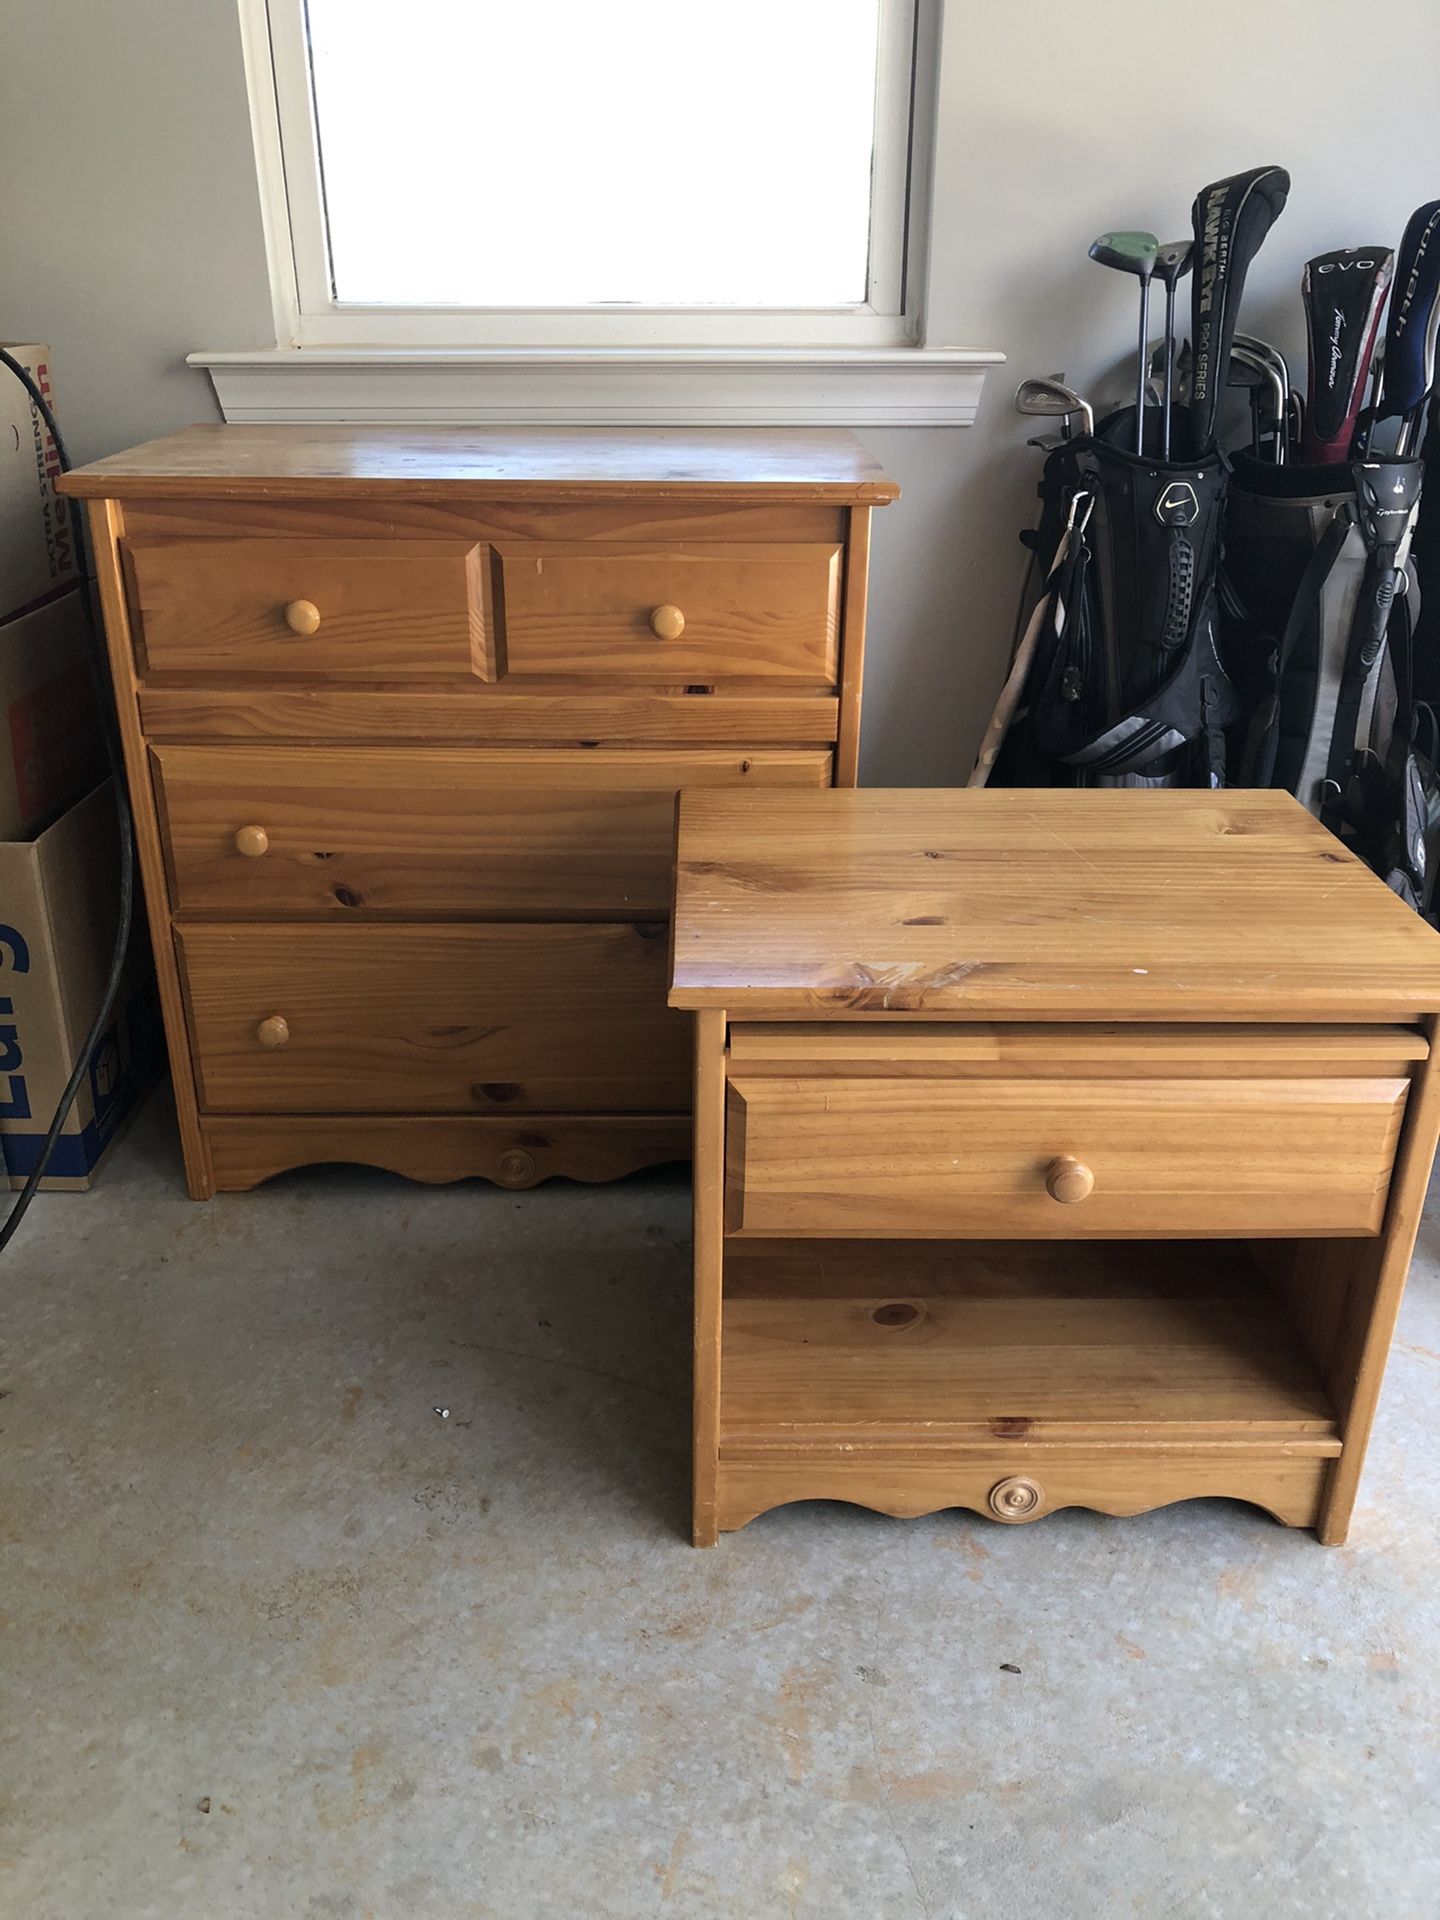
100	678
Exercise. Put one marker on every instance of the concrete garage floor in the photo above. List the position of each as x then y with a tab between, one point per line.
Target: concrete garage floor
279	1640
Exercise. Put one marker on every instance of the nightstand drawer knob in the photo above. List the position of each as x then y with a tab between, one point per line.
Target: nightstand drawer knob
273	1032
252	842
302	616
667	623
1068	1180
1016	1498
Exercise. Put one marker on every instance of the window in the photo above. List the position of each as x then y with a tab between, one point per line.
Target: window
644	173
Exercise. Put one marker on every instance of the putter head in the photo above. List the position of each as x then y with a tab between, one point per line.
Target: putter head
1174	260
1128	252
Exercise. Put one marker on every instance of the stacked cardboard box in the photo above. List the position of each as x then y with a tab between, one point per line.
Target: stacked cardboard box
59	855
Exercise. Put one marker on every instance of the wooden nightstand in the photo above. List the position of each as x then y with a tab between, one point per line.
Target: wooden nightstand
1051	1149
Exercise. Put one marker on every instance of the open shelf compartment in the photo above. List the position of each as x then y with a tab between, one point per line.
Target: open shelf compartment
867	1344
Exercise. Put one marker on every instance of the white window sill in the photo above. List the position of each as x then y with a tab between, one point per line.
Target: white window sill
621	386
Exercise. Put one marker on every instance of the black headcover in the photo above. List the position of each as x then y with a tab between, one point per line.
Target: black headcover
1414	315
1231	218
1344	293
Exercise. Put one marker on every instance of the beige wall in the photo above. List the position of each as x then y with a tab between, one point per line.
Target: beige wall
130	234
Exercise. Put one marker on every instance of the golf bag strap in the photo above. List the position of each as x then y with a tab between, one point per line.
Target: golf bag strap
1263	740
1132	743
1344	740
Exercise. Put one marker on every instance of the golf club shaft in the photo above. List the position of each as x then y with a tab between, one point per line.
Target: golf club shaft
1142	368
1169	367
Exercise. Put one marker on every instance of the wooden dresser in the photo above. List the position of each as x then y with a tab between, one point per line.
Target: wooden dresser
1052	1149
404	714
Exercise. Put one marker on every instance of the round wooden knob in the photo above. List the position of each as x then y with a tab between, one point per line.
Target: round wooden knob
302	616
252	842
667	623
1015	1498
516	1168
273	1032
1068	1180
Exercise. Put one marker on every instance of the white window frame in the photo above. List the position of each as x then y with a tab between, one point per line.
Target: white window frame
307	315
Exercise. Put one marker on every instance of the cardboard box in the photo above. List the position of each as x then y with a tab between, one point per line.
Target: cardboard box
37	534
50	746
59	902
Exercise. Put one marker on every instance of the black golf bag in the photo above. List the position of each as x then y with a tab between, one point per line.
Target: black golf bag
1321	605
1125	686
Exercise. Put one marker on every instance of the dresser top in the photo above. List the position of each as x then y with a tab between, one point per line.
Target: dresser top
1099	904
489	463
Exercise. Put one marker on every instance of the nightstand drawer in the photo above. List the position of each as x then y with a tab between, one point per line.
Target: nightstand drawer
437	1019
312	609
1060	1158
674	616
431	831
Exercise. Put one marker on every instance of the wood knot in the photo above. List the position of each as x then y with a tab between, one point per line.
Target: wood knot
896	1313
347	897
501	1092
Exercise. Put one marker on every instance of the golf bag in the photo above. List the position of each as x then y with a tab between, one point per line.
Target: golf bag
1119	680
1321	604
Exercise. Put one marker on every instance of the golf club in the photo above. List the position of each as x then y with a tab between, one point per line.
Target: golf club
1052	398
1131	252
1273	360
1344	295
1230	219
1268	374
1172	263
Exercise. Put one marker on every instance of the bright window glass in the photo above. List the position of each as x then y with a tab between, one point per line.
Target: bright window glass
571	153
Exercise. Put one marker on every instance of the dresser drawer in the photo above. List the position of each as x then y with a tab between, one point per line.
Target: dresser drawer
1060	1158
430	831
312	609
681	615
438	1019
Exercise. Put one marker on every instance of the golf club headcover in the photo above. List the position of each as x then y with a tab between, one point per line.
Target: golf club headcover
1231	218
1409	370
1344	295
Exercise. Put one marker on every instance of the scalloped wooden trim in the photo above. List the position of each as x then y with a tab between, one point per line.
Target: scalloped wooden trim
516	1152
1115	1482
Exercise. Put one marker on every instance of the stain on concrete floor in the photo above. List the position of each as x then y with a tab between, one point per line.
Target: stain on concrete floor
278	1638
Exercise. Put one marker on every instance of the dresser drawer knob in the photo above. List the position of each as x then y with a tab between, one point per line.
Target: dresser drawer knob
302	616
1016	1498
667	623
252	842
1068	1180
273	1032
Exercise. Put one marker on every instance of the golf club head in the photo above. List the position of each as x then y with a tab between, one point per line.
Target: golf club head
1344	294
1263	350
1051	397
1128	252
1173	261
1230	219
1410	337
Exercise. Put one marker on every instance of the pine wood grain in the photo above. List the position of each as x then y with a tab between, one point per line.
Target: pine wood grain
383	608
906	1344
1081	905
106	528
954	1158
246	1149
1122	1481
481	463
747	613
434	832
435	1019
470	714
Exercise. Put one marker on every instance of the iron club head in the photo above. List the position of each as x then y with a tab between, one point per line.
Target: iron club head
1052	397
